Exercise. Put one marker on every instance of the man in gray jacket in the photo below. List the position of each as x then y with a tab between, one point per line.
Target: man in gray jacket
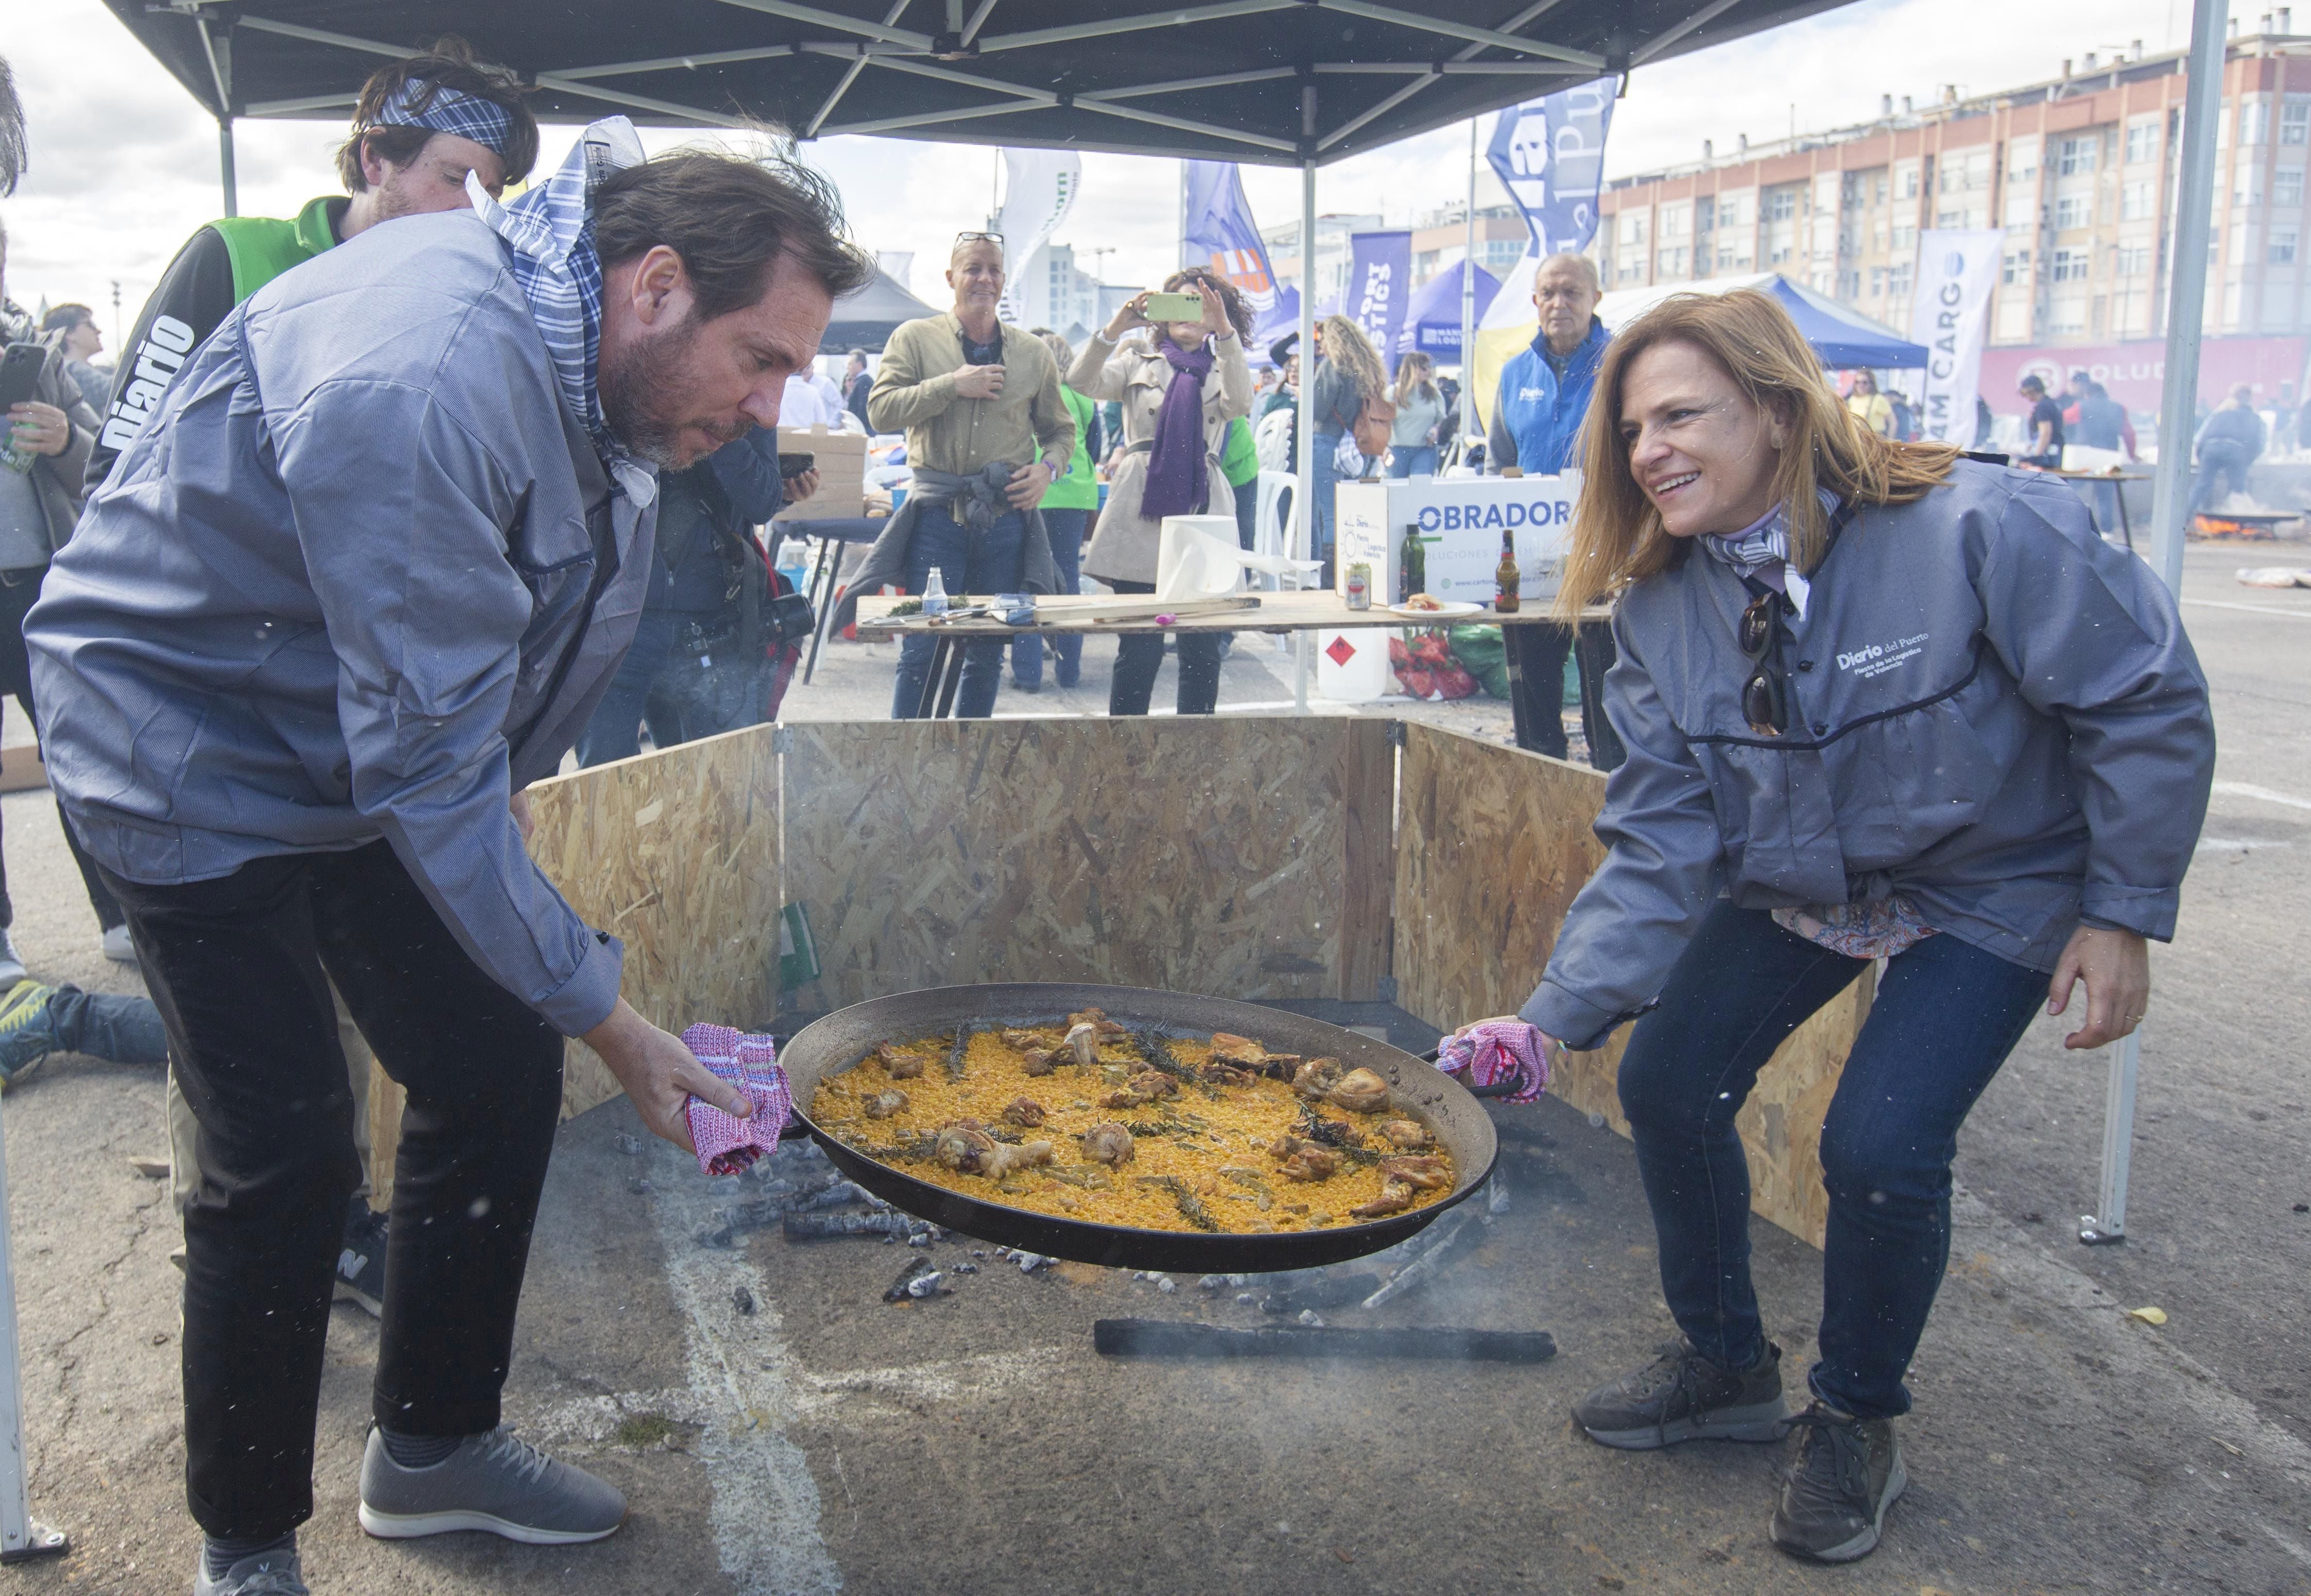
359	583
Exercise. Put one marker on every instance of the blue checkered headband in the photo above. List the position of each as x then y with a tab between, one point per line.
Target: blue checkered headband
449	111
549	232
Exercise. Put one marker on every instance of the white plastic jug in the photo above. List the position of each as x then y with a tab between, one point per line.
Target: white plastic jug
1352	666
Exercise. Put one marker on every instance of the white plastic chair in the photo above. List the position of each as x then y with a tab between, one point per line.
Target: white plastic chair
1273	523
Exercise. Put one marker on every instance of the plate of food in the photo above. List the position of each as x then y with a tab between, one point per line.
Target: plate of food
1146	1129
1424	607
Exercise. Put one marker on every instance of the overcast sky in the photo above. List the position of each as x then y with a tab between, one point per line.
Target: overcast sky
124	164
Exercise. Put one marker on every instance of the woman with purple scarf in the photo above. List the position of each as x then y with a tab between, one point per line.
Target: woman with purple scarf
1180	384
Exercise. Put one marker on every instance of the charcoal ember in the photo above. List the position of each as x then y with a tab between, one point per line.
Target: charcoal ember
742	1300
812	1227
1325	1291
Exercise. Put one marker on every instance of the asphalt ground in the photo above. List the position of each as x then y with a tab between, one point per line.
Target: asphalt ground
828	1441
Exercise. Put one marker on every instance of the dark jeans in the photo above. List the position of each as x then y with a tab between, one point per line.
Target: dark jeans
237	968
1321	484
2218	458
1945	1016
1409	460
969	562
1139	655
104	1025
1067	528
1537	689
616	730
1247	512
16	677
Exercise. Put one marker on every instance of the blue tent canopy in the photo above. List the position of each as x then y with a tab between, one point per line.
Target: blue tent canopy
1844	339
1431	325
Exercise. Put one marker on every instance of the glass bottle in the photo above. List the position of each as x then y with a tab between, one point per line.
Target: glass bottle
1507	579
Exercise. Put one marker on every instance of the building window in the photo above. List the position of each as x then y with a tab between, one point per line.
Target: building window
1877	282
1499	253
2254	121
2074	210
1781	205
2133	260
2282	246
2078	154
2022	207
1905	180
1955	217
1729	211
2022	159
2247	184
1906	237
2287	185
2136	200
2295	120
1672	262
2016	267
1897	280
2070	266
2141	141
2068	316
1675	222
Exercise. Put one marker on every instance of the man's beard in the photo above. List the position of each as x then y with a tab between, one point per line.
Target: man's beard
639	403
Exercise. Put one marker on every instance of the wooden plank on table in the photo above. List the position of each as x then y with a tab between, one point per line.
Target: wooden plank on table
1192	854
1495	842
1368	788
676	854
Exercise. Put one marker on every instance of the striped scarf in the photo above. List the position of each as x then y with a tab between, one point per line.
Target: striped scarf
1762	550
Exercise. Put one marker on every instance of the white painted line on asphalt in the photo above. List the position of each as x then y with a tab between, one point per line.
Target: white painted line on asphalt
748	1385
2251	609
2237	845
2247	790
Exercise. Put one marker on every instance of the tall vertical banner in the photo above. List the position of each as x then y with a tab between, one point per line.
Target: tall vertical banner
1950	314
1379	289
1218	231
1039	193
1549	154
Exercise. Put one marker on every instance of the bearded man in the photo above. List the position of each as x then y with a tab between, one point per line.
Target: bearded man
361	581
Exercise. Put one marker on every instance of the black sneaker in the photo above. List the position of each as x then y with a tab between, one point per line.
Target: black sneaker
360	1260
1682	1396
1847	1472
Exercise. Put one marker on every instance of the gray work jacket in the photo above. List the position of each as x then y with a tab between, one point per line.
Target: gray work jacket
364	577
1992	713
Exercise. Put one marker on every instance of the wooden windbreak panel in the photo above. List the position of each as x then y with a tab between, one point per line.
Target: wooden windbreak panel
1495	844
676	855
1195	855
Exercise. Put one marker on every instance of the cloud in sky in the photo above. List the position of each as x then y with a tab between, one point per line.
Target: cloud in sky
126	164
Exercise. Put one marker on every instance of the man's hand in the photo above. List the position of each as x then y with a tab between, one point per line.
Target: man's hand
803	486
1028	486
41	428
979	383
661	1075
2116	966
518	806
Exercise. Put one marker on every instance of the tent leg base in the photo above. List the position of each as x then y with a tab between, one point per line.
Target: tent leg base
2092	1233
39	1541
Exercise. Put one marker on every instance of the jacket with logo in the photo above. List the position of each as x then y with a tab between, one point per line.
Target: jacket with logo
1991	712
1537	417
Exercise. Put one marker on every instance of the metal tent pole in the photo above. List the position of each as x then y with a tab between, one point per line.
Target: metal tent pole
224	166
2170	494
1303	517
20	1538
1469	298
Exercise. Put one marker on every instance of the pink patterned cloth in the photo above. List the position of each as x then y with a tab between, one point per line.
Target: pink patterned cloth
727	1146
1499	1050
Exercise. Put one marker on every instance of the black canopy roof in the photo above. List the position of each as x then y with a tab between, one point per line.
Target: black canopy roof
1265	81
868	319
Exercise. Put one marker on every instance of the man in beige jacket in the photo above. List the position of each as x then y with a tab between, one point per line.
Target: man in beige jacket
988	432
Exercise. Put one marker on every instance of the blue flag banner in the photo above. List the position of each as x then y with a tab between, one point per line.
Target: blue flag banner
1222	235
1549	154
1379	287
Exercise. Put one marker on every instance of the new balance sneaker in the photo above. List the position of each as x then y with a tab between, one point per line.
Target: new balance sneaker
27	1034
11	963
493	1482
268	1573
361	1259
1682	1396
119	946
1834	1494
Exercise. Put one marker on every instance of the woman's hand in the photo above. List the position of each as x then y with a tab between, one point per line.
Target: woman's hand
1216	321
2116	966
1132	313
42	429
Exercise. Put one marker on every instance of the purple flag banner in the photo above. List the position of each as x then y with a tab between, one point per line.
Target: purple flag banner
1379	289
1222	235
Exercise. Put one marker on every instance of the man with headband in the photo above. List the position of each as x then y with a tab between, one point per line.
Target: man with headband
421	124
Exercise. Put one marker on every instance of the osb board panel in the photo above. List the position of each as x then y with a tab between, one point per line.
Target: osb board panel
676	855
1196	855
1493	845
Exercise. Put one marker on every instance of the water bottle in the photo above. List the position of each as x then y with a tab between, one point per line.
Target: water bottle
935	594
794	561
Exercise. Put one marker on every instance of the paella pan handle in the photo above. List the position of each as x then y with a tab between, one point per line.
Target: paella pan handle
1497	1089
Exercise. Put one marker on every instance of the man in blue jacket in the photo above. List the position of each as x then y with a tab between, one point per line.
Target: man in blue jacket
1536	430
363	580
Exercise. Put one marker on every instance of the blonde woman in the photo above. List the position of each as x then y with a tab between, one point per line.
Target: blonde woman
1180	384
1880	702
1347	374
1419	412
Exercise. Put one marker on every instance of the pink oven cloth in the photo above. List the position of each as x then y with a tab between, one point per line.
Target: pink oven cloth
727	1146
1499	1050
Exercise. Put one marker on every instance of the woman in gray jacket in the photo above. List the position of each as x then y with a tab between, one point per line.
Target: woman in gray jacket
1883	703
1180	384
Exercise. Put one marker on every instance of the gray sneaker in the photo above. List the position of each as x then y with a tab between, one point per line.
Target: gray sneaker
491	1482
1682	1396
268	1573
1847	1472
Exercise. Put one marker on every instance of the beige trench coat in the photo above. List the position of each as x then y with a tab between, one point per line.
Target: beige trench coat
1123	545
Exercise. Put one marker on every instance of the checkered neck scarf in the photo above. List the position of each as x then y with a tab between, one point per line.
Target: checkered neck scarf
1762	549
550	230
449	110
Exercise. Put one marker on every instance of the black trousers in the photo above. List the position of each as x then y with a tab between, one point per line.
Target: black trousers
1537	688
1139	655
18	590
236	966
